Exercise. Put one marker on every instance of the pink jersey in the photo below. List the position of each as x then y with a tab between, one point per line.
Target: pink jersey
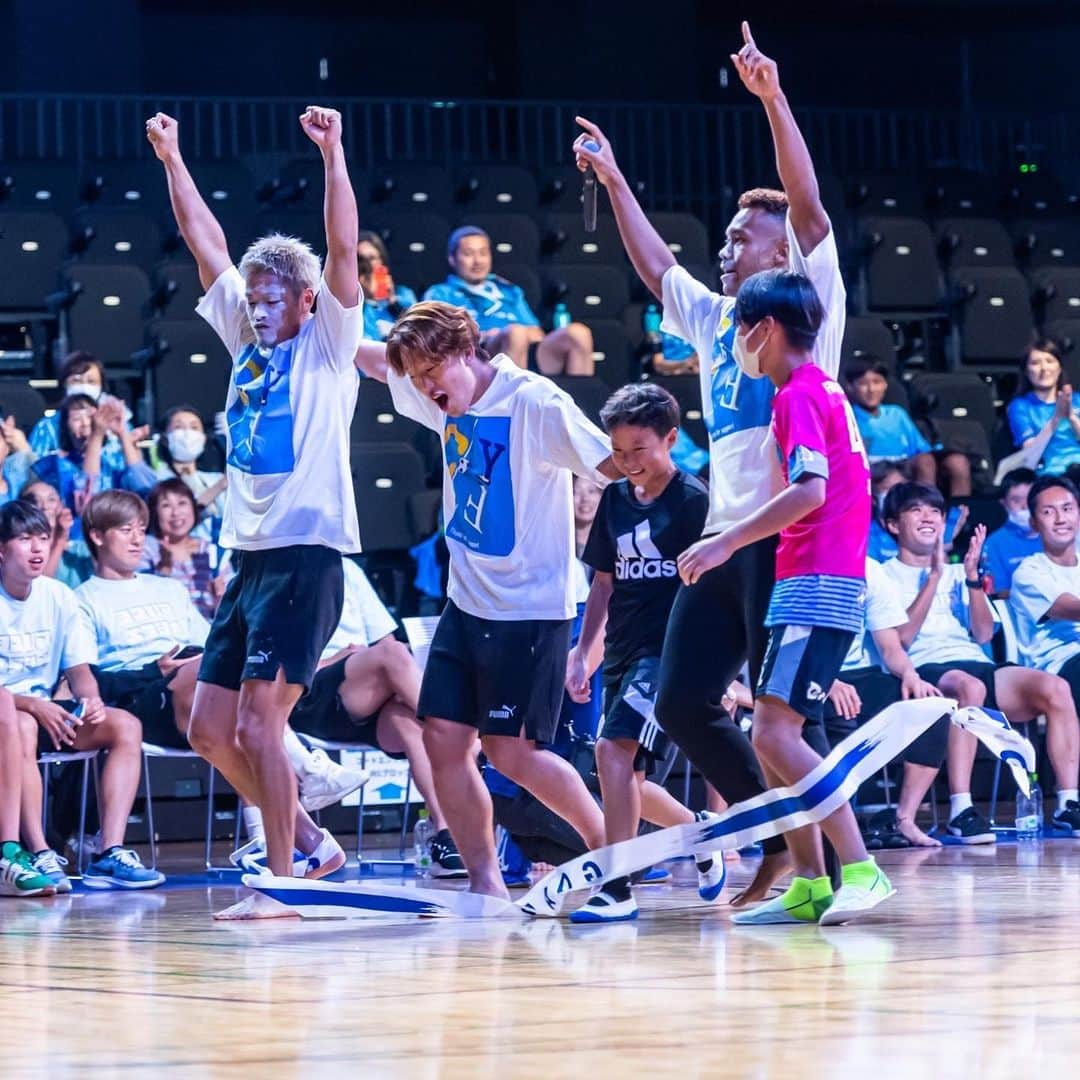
816	435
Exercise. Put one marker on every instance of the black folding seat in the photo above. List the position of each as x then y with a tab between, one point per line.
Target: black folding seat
193	369
996	318
487	189
598	292
902	270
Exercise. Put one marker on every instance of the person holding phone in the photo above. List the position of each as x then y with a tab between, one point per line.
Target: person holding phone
384	299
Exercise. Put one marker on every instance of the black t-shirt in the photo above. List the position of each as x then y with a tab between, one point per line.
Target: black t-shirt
638	546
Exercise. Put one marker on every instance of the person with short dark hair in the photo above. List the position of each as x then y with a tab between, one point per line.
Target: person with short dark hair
507	323
181	443
1043	413
644	522
42	637
1014	541
16	458
69	560
949	620
384	299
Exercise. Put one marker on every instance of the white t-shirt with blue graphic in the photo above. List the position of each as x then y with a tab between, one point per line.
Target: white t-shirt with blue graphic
139	620
40	637
289	414
1045	643
364	618
507	501
744	468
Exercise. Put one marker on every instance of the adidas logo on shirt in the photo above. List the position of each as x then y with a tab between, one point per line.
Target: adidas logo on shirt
639	559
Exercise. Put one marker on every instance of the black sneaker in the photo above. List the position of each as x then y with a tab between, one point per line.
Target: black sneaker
445	860
1067	822
970	827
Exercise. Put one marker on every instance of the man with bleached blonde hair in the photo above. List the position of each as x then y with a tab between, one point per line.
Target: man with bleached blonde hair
290	513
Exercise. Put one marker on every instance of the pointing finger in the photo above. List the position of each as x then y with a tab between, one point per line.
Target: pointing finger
746	35
588	125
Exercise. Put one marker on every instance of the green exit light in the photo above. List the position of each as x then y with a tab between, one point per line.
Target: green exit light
1029	167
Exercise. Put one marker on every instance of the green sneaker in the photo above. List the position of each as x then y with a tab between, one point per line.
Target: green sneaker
864	886
18	876
804	902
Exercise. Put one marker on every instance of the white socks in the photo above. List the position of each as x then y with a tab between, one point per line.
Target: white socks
958	804
253	823
297	751
1066	795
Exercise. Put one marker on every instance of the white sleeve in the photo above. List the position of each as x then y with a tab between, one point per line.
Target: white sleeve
822	267
883	607
378	622
224	307
338	330
569	439
78	636
692	311
88	617
411	403
1034	590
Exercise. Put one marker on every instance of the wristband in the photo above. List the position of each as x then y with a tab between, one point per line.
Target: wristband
973	583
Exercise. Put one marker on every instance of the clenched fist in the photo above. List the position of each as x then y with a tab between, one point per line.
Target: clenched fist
322	126
161	130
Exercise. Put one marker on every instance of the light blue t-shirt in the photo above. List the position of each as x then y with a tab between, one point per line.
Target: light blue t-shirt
1045	643
378	318
889	434
495	302
1028	416
1004	550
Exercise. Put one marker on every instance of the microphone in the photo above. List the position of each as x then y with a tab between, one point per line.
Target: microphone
588	191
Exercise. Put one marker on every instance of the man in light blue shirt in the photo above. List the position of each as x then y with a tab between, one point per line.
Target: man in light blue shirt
1016	539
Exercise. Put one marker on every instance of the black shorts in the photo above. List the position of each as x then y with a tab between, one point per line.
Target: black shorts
801	664
145	693
321	714
984	672
277	613
1070	672
502	678
629	709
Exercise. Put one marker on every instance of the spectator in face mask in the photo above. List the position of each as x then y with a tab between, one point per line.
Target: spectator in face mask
181	444
1016	539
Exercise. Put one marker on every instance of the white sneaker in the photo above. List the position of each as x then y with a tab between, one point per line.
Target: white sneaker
325	782
602	907
51	865
325	859
851	901
710	883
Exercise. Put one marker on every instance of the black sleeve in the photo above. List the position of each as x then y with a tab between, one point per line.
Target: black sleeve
695	510
599	550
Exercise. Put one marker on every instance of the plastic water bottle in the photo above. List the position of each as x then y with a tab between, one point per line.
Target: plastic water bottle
423	833
561	316
1029	811
650	323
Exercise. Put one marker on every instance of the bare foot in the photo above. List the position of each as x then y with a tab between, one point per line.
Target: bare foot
489	887
771	870
255	906
911	832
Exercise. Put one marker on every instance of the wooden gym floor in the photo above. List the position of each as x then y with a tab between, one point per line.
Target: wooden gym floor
972	970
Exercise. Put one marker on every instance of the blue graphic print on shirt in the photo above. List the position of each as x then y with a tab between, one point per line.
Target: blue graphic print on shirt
478	464
260	418
739	403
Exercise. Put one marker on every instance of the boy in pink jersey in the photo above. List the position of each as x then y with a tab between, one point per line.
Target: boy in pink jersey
823	518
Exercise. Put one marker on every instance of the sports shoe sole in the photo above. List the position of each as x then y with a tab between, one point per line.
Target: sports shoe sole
334	863
321	802
441	872
838	917
92	882
17	894
584	917
979	838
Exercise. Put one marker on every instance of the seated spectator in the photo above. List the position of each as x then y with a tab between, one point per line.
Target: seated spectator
507	323
1042	415
79	469
884	476
949	619
384	300
149	636
877	673
366	690
69	560
674	356
173	549
182	443
16	458
44	637
1016	539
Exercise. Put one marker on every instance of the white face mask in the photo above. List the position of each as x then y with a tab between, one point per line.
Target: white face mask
1021	518
185	444
89	389
748	359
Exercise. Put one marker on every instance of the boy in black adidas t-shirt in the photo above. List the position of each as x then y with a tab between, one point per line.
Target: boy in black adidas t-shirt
643	524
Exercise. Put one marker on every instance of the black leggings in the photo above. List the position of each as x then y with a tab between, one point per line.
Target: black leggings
715	626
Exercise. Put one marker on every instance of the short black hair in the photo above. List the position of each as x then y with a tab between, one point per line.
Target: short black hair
1016	477
21	517
1045	483
858	366
641	405
75	401
789	298
79	363
908	494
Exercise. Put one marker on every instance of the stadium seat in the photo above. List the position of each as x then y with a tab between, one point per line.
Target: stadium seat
589	292
177	288
611	351
956	395
34	245
973	241
886	194
867	337
686	390
1037	194
19	399
525	277
958	193
225	184
46	186
107	317
1057	292
417	245
514	237
902	270
1049	242
560	191
305	224
996	319
376	420
687	238
966	437
566	241
489	189
194	369
384	477
300	184
1067	333
137	184
118	235
589	391
404	186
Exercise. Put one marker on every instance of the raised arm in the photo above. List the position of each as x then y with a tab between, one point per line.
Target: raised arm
760	76
323	127
371	360
203	235
652	258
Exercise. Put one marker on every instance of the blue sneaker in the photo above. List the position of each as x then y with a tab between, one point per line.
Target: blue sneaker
602	907
654	875
51	865
121	868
